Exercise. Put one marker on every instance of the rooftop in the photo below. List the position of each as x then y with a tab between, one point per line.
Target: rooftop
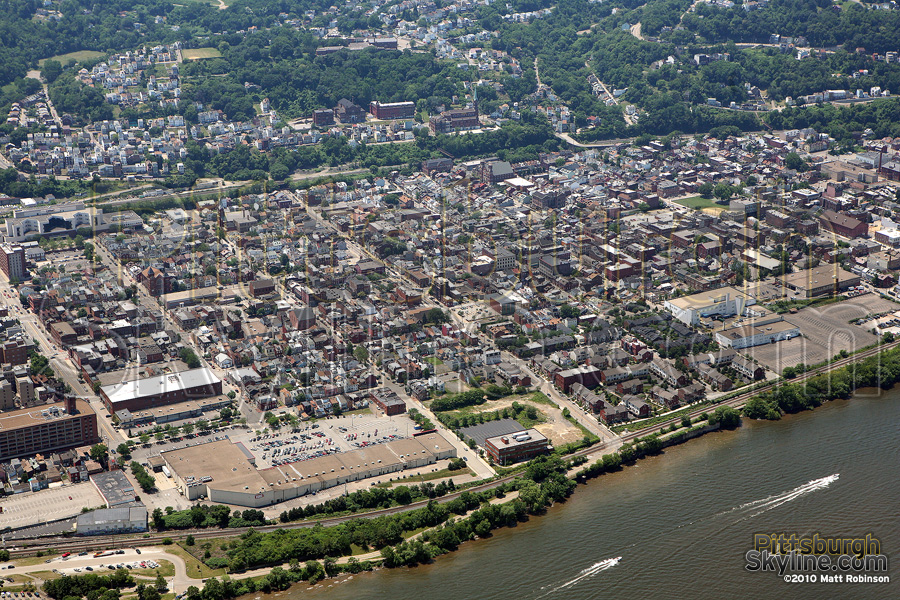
710	297
160	384
36	415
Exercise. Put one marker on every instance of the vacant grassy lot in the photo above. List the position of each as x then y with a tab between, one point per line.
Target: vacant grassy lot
76	56
200	53
195	568
699	202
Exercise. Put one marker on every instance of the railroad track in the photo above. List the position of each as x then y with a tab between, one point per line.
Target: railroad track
30	546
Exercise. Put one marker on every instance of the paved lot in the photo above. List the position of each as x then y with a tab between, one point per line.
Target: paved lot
33	508
337	434
826	332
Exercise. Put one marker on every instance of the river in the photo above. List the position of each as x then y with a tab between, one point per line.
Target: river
680	521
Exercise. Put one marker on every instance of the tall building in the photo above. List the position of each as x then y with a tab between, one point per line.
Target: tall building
28	431
12	261
26	390
7	395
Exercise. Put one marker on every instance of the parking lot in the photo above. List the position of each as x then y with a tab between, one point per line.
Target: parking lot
32	508
826	331
141	454
328	436
111	566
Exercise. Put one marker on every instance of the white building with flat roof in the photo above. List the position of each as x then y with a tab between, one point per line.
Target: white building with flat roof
725	302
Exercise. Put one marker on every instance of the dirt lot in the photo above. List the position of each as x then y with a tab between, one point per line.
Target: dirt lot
826	331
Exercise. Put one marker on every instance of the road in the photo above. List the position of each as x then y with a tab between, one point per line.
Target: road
636	30
59	360
628	119
594	452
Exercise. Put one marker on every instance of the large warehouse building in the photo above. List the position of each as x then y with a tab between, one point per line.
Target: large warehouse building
104	521
160	390
823	280
223	472
48	428
725	302
746	336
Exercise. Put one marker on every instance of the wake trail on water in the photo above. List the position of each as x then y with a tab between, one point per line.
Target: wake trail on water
744	511
758	507
586	573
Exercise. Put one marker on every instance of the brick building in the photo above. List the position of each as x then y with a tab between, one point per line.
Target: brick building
392	110
451	120
516	447
843	225
55	427
12	261
323	118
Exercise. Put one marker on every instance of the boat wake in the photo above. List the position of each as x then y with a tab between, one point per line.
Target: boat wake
757	507
586	573
744	511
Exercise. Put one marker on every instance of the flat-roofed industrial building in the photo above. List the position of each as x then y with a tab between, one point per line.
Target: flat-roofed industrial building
222	472
725	302
160	390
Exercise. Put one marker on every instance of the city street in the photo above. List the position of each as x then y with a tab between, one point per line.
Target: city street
59	360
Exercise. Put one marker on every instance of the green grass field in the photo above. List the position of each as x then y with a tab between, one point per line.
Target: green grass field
699	202
200	53
76	56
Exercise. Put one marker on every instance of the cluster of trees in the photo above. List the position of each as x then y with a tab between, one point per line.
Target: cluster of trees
370	499
420	419
86	103
544	482
277	579
91	585
515	411
882	370
204	516
853	26
526	139
882	116
32	187
144	479
283	63
470	398
189	357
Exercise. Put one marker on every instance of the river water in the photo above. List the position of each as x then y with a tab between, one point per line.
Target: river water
681	522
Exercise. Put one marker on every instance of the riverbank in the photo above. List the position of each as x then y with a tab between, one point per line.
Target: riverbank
536	493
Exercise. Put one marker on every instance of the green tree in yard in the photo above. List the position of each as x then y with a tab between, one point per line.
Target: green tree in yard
361	354
189	357
793	161
98	451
